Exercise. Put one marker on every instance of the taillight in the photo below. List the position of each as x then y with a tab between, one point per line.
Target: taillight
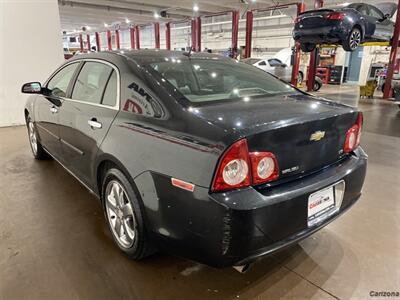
238	168
234	168
353	135
264	166
335	16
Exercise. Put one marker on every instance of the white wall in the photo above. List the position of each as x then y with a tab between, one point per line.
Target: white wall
31	48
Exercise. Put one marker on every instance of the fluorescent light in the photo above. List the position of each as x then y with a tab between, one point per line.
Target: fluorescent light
105	25
127	21
195	7
156	15
88	27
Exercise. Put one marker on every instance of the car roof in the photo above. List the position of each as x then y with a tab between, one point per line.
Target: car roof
143	56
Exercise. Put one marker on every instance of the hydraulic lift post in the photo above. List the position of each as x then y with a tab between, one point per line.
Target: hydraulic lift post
137	36
98	45
301	7
312	69
117	39
132	36
249	32
387	92
235	33
81	42
168	35
157	35
88	42
109	40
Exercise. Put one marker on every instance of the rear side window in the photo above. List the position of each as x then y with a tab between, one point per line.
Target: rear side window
363	9
58	84
91	82
274	62
110	94
262	63
375	13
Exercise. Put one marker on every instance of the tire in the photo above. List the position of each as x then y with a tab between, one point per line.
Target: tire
307	47
37	150
353	40
317	86
124	215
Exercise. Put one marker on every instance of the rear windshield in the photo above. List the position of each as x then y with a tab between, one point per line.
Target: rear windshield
204	80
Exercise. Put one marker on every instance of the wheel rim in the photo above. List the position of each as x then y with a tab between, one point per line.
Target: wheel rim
32	137
355	39
120	214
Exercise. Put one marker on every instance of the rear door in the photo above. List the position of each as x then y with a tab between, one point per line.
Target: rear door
369	22
87	115
47	108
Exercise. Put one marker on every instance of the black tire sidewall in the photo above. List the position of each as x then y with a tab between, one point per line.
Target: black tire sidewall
346	43
40	154
137	249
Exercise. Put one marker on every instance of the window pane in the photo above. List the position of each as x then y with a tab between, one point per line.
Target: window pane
110	94
91	82
59	83
203	80
374	12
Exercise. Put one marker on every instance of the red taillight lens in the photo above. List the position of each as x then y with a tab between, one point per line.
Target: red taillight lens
353	136
234	168
264	167
238	168
335	16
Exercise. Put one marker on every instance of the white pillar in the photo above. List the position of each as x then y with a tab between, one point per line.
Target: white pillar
30	50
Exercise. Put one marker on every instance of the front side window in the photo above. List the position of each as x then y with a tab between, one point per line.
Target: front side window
58	84
91	82
203	80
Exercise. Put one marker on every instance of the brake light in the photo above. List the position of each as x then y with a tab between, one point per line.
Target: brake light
335	16
353	135
264	166
233	169
238	168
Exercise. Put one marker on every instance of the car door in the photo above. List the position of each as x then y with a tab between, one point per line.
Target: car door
279	69
48	105
87	115
369	23
384	26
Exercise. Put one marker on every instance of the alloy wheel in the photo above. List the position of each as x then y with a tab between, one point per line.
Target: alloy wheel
355	39
32	137
120	214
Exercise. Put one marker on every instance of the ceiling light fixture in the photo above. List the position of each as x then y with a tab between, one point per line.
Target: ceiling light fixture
127	21
195	7
156	15
105	25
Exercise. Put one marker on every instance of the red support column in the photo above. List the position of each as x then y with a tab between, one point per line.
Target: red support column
81	42
109	40
193	33
198	34
88	42
117	39
98	45
387	92
168	35
137	29
312	69
132	34
157	35
301	7
235	33
249	31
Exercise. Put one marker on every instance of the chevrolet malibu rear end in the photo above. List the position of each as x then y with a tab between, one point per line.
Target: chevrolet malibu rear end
215	160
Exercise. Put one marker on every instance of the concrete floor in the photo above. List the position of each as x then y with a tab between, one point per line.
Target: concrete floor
54	243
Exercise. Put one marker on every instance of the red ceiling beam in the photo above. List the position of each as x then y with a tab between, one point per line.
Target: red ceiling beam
387	92
168	35
157	35
301	7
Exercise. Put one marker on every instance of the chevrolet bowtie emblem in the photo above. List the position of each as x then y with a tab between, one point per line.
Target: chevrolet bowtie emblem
317	136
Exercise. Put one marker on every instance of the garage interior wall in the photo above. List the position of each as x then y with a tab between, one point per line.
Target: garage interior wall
30	32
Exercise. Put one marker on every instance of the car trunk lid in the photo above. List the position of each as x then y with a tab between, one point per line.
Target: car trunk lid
314	18
305	133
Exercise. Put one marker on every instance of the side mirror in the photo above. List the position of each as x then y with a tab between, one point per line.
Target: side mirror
32	88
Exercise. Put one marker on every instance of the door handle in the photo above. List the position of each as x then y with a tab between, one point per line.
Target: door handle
94	124
53	109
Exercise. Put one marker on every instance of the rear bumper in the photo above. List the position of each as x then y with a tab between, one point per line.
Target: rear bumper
238	227
323	34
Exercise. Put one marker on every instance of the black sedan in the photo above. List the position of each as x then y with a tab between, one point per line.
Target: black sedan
198	155
348	25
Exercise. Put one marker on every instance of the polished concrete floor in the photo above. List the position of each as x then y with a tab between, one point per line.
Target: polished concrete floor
54	243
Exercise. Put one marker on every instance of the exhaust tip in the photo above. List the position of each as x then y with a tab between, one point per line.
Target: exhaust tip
242	269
